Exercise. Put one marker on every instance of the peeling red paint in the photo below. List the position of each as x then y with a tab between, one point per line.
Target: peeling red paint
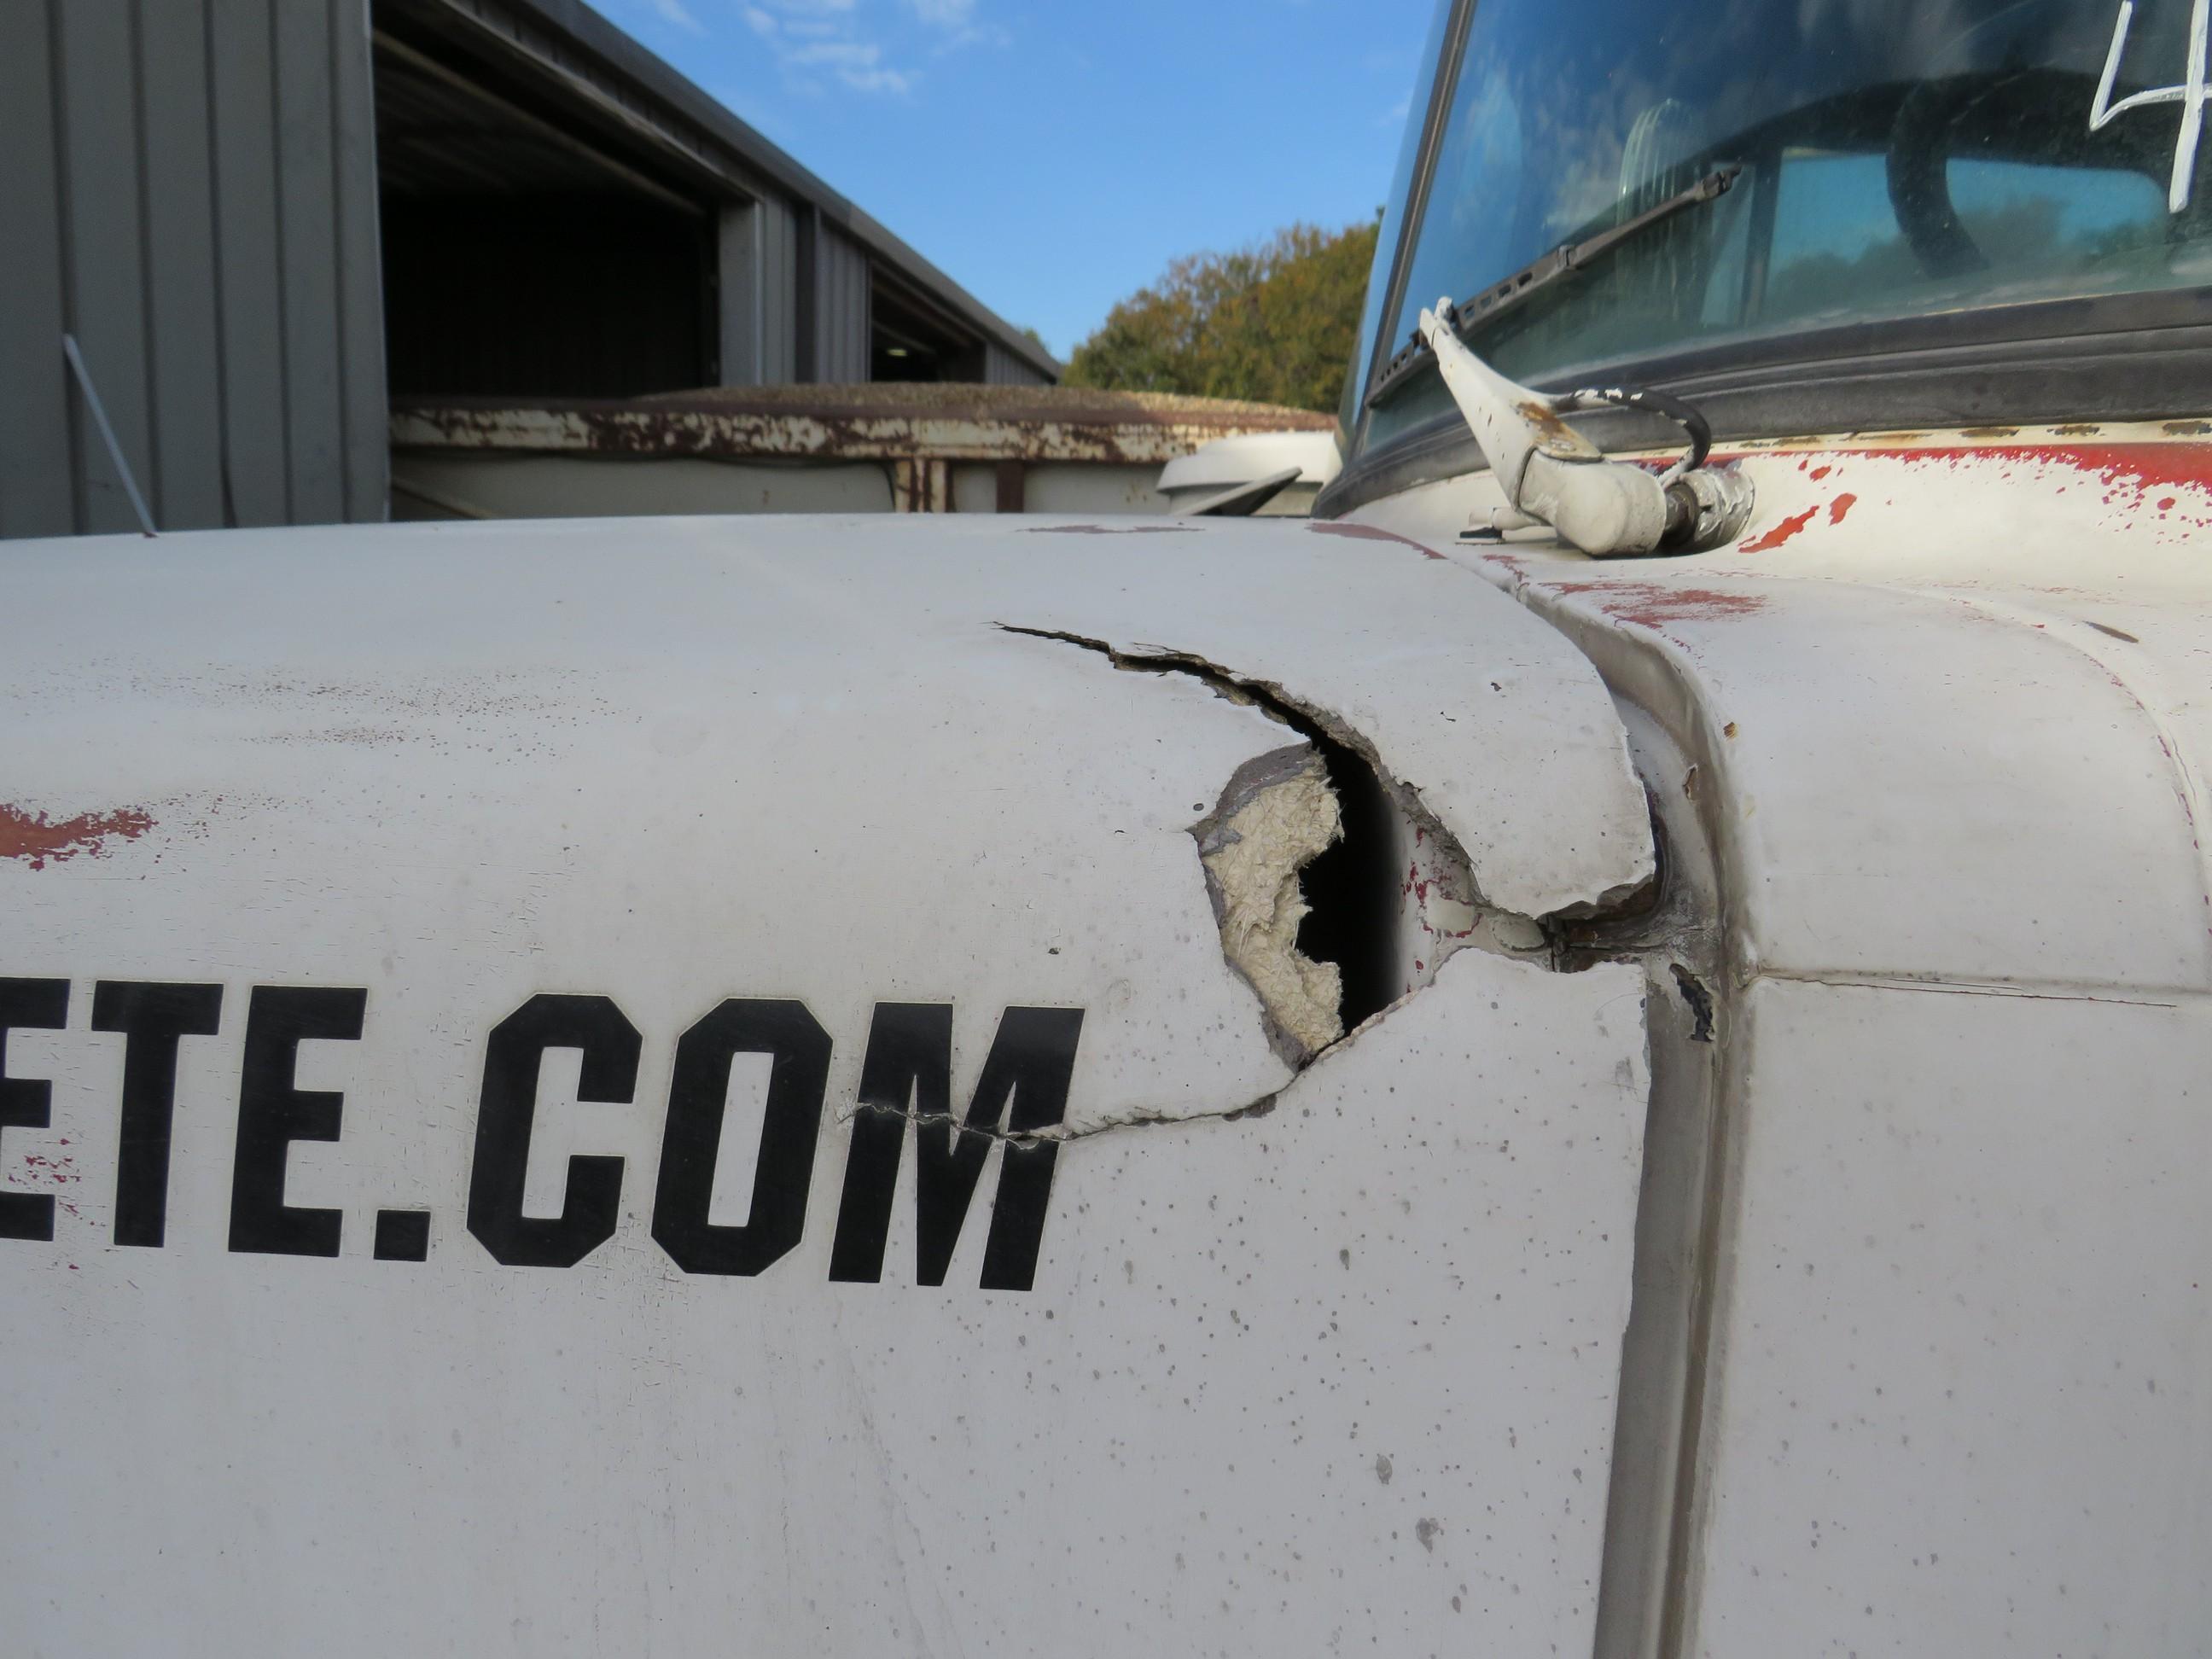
2144	466
1368	532
36	837
58	1172
1781	533
1654	604
1841	506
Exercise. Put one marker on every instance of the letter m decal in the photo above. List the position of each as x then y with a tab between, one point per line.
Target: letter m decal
907	1078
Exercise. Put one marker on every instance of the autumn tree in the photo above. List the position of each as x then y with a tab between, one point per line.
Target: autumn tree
1274	322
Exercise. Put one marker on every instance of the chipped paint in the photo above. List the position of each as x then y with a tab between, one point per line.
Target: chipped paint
37	840
60	1172
2145	481
2139	466
1781	533
1656	605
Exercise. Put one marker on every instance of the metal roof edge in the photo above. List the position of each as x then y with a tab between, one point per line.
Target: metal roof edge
630	57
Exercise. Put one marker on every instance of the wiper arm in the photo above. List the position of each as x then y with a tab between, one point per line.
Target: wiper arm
1534	278
1551	474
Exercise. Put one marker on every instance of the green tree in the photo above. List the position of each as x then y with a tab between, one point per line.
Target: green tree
1274	322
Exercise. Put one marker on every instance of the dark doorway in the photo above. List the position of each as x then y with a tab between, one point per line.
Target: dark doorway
525	255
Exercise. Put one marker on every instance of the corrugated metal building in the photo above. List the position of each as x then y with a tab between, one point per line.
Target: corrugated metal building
260	220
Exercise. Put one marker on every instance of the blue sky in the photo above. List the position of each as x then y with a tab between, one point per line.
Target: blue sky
1053	155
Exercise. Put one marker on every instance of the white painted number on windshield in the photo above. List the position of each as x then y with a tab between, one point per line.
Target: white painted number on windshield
2190	95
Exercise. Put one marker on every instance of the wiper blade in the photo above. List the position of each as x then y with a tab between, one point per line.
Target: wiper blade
1539	273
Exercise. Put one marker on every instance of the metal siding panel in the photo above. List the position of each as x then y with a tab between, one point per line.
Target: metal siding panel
307	247
360	266
1002	368
779	294
180	297
248	284
774	290
806	295
35	496
107	272
843	311
830	310
860	321
739	292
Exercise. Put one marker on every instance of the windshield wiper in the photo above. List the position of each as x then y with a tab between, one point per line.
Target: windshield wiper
1540	273
1549	473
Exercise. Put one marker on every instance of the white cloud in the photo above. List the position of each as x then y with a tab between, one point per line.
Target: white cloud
670	11
858	64
956	23
818	41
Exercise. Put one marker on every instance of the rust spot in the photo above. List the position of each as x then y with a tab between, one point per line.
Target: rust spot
1368	532
1841	506
1991	432
1654	604
37	838
1111	530
1781	533
1729	731
1547	422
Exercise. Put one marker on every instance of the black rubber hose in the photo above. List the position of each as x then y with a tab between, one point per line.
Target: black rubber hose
1665	404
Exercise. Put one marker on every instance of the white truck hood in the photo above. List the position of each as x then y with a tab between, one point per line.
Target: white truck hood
483	1007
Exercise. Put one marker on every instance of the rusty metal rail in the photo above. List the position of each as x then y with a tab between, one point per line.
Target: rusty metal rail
919	432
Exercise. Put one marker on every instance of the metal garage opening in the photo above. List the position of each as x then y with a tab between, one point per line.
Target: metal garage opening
251	228
910	337
524	256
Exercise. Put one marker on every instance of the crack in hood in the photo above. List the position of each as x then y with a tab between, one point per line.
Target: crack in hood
802	759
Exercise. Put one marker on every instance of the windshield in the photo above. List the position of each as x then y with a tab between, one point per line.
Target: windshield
1897	157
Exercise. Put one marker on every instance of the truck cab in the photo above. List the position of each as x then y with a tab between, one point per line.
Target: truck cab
1402	1082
